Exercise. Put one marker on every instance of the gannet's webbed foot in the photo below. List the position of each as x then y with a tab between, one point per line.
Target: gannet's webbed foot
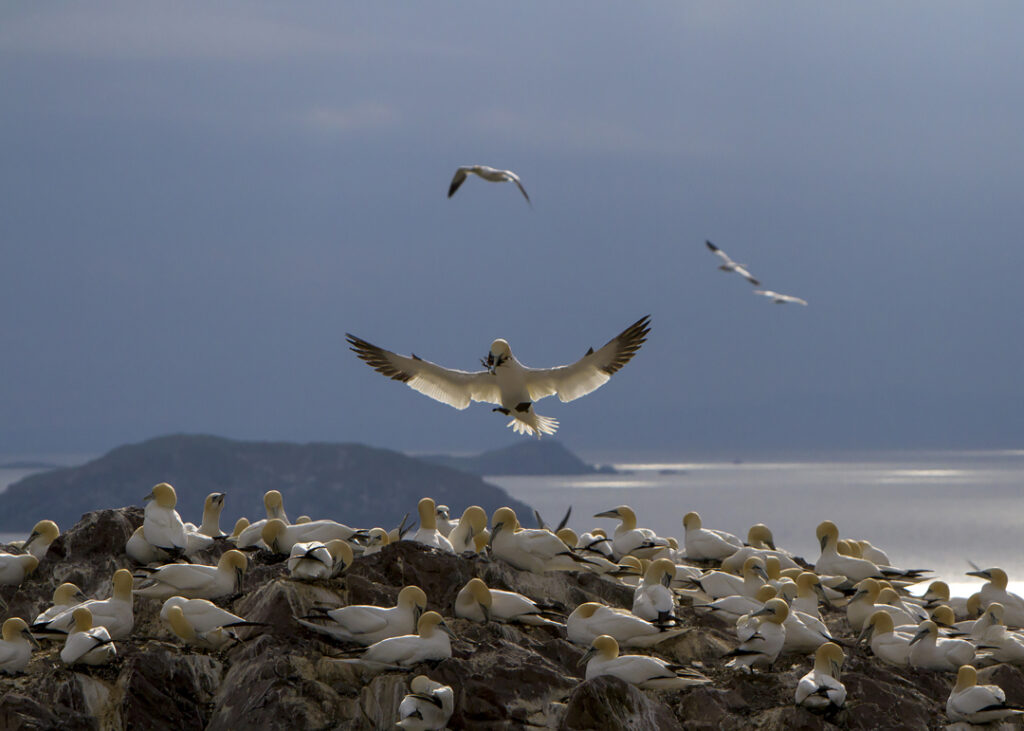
501	410
523	407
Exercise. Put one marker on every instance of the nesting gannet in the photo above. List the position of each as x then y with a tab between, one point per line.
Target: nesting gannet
472	522
378	538
203	615
87	644
977	704
212	507
873	554
530	549
251	534
162	527
762	646
930	652
887	644
280	537
430	643
591	619
653	599
731	608
999	643
780	299
485	172
889	597
43	534
14	568
703	544
16	646
316	560
821	689
865	602
728	265
479	603
196	581
116	613
367	624
428	534
718	584
630	540
808	594
804	633
649	673
831	562
593	547
505	381
65	597
994	590
215	638
141	551
445	524
427	707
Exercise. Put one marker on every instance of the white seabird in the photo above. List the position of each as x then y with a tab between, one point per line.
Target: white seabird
317	560
87	644
718	584
994	590
65	597
590	620
977	704
832	563
530	549
280	537
763	645
728	265
479	603
116	613
505	381
198	538
142	551
16	646
378	538
215	638
472	522
427	707
430	643
43	534
162	526
630	540
445	524
485	172
730	608
821	688
703	544
761	543
648	673
251	533
14	568
367	624
653	599
930	652
428	534
887	644
196	581
203	614
780	299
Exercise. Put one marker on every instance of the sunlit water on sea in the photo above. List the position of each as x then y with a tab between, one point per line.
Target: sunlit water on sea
935	510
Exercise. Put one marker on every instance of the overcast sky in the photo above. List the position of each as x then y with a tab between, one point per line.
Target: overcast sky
198	199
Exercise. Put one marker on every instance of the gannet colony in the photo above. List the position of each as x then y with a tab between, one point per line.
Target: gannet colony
138	619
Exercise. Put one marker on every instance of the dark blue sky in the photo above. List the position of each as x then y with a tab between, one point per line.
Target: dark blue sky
198	200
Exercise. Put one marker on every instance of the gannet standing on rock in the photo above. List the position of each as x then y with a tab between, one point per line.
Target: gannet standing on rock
43	534
479	603
196	581
762	646
760	543
445	524
731	608
648	673
428	534
821	689
977	704
589	620
162	527
530	549
14	568
506	382
485	172
367	624
87	644
427	707
202	537
430	643
116	613
703	544
630	540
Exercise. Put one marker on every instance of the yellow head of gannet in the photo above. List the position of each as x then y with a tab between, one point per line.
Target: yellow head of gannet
773	567
754	566
180	625
428	513
759	536
482	596
943	616
765	592
568	536
503	519
429	622
587	609
829	659
476	517
791	573
272	531
807	582
827	534
775	611
661	570
937	593
869	588
46	530
272	502
604	645
673	543
16	627
480	541
164	495
996	577
878	623
234	560
630	566
83	619
889	596
412	596
974	605
966	677
996	611
691	521
378	538
240	525
121	588
847	548
623	513
341	553
67	593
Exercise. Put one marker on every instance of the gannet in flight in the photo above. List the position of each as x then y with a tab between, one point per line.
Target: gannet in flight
728	265
507	382
780	299
492	175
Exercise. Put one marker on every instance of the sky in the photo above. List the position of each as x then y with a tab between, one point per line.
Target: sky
198	200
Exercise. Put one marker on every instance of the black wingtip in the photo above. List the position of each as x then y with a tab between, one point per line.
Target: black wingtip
710	245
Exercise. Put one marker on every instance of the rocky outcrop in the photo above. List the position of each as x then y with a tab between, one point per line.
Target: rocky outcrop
283	676
525	457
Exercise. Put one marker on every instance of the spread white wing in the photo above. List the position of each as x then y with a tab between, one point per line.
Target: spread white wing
591	371
455	388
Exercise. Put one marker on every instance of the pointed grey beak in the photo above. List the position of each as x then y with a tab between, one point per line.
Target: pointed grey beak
921	634
447	630
761	572
762	612
587	655
148	497
666	580
494	532
487	612
824	540
31	538
608	514
981	573
835	669
866	633
858	594
31	638
771	544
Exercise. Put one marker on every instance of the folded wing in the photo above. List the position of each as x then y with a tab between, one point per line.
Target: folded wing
591	371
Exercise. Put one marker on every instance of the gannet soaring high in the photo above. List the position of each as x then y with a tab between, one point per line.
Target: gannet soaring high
506	382
491	175
728	265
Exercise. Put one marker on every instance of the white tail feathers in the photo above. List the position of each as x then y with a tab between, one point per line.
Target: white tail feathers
533	423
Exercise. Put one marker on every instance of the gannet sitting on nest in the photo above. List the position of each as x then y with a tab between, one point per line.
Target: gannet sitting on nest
196	581
977	704
648	673
505	381
994	590
653	599
589	620
367	624
821	689
428	534
16	646
162	527
430	643
703	544
251	534
280	537
198	538
215	638
43	534
531	549
427	707
718	584
445	524
630	540
832	563
730	608
66	596
87	644
887	644
203	615
763	645
485	172
479	603
116	613
760	543
472	522
930	652
316	560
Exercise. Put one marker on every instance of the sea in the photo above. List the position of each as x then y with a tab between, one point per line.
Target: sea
938	510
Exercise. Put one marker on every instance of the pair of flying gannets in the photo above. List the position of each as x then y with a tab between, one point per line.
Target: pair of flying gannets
728	265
